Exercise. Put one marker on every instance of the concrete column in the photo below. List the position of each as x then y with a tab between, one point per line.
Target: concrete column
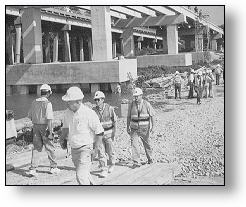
55	48
214	45
32	35
22	90
113	87
128	42
17	42
199	42
38	90
154	43
67	51
47	48
12	57
74	50
114	49
172	39
90	50
8	90
81	50
95	87
101	32
164	41
140	39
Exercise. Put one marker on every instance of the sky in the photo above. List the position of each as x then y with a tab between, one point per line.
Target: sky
216	13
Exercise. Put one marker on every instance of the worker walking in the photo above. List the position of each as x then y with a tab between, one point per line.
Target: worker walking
140	123
218	71
191	81
205	83
108	120
210	82
41	114
82	128
199	86
177	84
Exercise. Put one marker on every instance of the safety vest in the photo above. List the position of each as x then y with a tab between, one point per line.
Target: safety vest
38	112
139	116
105	119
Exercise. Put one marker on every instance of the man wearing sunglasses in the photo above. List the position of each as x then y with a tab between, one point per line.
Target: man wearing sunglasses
108	119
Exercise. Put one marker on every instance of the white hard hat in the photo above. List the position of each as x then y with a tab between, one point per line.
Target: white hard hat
137	92
200	73
73	93
177	72
45	87
192	71
99	94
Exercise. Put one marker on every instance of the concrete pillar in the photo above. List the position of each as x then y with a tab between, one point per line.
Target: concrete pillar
140	39
172	39
55	48
17	43
74	50
8	90
95	87
214	45
113	87
32	35
22	90
12	53
90	50
199	42
114	49
154	43
81	49
67	52
47	48
38	90
101	32
128	42
164	42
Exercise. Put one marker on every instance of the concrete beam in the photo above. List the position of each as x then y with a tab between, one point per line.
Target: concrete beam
143	10
162	10
126	11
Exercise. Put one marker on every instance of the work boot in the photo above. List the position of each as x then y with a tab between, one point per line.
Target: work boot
32	172
54	170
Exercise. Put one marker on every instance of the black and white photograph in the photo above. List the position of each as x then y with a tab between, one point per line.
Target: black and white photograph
115	95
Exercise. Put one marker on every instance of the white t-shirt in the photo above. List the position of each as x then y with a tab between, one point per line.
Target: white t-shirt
83	125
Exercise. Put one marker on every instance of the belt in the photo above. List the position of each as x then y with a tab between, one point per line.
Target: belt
106	129
140	120
79	147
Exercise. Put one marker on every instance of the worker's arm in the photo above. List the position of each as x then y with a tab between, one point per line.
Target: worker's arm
50	128
128	120
97	144
114	120
63	138
152	124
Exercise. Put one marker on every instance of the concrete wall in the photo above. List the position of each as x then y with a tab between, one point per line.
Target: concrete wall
74	72
198	57
183	59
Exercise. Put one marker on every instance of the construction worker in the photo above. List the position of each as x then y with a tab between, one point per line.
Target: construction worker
191	81
205	83
140	123
108	120
210	82
41	114
82	129
199	86
218	71
177	84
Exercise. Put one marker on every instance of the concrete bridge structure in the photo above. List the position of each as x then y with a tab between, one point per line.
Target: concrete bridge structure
79	45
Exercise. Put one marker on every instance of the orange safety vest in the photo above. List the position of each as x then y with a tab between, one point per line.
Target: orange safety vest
38	112
139	117
105	119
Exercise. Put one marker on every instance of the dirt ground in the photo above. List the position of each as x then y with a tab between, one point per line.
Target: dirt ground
188	148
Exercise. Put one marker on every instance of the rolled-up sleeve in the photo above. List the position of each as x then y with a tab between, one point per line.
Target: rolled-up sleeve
94	123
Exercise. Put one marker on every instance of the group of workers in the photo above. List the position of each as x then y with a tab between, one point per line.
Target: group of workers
200	81
89	132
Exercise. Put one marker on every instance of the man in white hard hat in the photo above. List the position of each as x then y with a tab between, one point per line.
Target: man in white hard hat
140	123
82	129
108	120
177	84
41	114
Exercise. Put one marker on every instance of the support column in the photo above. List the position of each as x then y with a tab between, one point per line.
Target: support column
95	87
128	42
32	35
22	90
67	52
38	90
214	45
172	39
47	48
81	49
17	43
55	48
113	87
74	50
90	50
140	39
8	90
154	43
101	32
164	42
114	49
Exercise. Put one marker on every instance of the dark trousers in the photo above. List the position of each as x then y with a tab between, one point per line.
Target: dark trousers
199	94
217	79
177	90
191	95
